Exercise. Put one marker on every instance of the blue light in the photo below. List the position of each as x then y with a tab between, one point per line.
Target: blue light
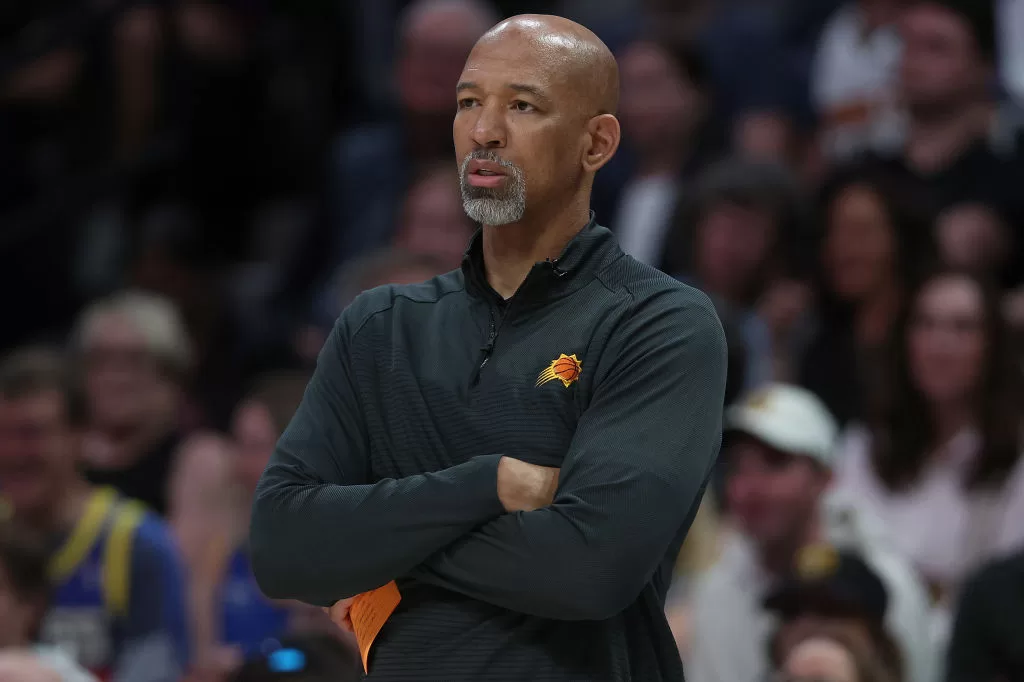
286	661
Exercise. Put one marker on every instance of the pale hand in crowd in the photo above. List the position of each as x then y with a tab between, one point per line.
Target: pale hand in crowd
525	487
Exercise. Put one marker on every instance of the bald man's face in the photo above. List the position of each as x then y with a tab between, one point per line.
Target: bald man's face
522	128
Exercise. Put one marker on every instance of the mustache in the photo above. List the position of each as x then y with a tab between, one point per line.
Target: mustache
486	155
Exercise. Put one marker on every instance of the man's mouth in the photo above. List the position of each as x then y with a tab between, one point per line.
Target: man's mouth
485	173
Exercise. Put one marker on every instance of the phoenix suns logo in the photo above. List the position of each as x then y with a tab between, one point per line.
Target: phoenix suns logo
566	369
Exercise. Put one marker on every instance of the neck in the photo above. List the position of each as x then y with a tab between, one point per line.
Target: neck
950	419
778	558
875	315
935	141
510	251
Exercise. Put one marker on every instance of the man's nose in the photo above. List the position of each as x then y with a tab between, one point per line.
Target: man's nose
489	131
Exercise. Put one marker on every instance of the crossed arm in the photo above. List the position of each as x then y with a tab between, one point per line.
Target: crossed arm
635	469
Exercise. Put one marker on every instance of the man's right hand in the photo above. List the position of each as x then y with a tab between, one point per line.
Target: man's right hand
525	487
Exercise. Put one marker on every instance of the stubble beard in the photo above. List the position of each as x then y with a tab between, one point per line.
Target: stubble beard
494	206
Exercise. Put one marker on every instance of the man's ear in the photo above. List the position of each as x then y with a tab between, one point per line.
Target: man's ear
603	136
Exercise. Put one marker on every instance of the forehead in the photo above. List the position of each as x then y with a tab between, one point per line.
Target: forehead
512	58
951	296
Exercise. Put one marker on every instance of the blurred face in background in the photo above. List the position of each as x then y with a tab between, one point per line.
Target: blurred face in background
973	237
946	340
733	244
434	222
860	247
660	105
124	382
432	54
941	67
37	451
255	436
772	495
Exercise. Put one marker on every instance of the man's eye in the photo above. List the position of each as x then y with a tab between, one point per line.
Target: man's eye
522	106
466	102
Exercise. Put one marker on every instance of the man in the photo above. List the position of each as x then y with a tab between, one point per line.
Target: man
779	449
135	354
955	136
117	602
521	444
988	642
24	597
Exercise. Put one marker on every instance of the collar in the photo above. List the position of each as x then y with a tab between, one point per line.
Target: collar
587	253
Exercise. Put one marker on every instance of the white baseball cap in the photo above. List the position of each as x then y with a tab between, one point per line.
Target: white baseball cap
789	419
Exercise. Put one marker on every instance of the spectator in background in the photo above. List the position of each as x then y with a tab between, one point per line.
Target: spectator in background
665	112
135	354
779	454
854	74
988	641
24	599
954	136
833	591
373	166
735	240
432	221
118	600
941	464
215	483
876	237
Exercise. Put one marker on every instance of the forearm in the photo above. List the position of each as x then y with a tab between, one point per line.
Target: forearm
568	561
318	542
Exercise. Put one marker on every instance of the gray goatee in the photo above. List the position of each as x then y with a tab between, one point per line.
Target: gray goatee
494	206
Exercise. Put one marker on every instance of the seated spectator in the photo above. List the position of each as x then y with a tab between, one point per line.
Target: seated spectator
854	74
941	464
954	135
833	590
215	483
666	110
374	165
305	659
988	640
118	599
778	451
134	353
24	599
433	222
876	237
733	240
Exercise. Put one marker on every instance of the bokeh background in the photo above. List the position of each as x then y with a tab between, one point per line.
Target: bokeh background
192	190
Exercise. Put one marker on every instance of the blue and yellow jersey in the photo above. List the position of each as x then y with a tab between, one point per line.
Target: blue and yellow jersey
118	590
248	618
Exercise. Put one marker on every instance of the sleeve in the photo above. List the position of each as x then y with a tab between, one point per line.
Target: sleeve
634	473
322	530
156	638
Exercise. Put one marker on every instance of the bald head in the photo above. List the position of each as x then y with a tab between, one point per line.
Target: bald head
583	63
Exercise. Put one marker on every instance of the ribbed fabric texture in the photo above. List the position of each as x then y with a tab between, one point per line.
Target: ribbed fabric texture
388	470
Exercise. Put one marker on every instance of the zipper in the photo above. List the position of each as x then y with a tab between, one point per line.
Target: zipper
487	348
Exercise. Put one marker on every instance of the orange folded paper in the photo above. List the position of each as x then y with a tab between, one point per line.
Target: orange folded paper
369	611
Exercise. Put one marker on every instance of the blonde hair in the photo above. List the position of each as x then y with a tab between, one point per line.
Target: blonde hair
156	318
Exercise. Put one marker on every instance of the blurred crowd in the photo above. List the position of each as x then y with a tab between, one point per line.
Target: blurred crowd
192	190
